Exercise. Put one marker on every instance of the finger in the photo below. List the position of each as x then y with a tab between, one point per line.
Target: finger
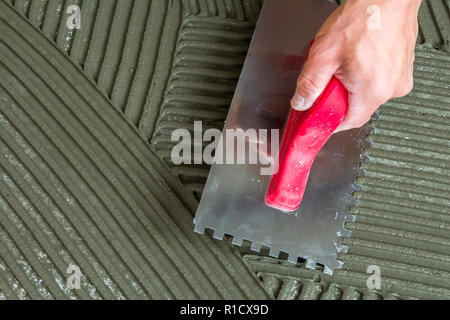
316	74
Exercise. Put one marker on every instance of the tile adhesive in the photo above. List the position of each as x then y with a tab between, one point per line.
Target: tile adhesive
86	178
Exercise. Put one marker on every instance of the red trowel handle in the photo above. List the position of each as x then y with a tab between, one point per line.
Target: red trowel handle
306	133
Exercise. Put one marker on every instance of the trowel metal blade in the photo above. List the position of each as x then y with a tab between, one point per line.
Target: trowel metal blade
233	199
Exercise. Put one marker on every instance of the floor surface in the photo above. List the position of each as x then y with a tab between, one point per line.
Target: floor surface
86	178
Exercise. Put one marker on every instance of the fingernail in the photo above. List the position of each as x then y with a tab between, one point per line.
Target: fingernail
298	102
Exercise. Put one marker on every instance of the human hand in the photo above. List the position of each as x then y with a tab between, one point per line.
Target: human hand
369	46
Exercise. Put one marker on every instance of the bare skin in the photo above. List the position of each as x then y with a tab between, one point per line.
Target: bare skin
369	46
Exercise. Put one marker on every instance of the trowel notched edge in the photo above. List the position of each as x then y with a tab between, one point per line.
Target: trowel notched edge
310	262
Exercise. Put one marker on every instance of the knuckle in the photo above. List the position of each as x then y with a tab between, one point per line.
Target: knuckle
306	84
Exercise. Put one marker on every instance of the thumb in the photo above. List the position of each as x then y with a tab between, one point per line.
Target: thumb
315	76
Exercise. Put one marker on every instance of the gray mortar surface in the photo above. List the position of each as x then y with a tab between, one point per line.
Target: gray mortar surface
86	179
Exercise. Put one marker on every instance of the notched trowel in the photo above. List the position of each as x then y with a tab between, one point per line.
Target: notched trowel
234	199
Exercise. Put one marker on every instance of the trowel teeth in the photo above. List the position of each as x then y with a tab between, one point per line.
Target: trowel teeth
346	233
364	159
218	235
310	264
367	144
353	202
339	264
199	229
255	247
343	249
360	172
327	270
292	258
274	253
237	241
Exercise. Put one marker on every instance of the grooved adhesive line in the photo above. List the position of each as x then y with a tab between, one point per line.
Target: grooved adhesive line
79	185
205	71
234	9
